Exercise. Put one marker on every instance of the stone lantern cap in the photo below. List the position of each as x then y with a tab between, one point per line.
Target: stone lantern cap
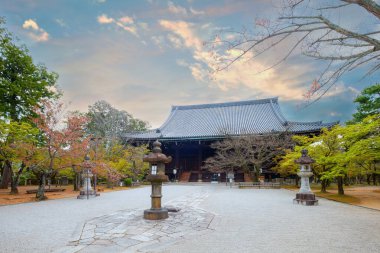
156	156
86	162
304	159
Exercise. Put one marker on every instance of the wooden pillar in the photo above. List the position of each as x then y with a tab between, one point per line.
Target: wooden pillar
176	155
176	162
199	162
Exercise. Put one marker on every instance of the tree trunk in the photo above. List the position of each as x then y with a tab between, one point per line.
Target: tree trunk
40	195
16	179
346	181
108	181
340	185
7	174
297	180
324	183
374	178
77	182
369	179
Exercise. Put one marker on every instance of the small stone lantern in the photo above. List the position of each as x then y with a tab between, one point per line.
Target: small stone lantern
156	176
305	196
87	190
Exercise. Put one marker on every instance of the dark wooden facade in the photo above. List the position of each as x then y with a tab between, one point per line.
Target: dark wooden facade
188	132
188	158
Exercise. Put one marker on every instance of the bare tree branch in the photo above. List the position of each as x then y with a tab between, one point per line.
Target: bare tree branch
369	5
317	37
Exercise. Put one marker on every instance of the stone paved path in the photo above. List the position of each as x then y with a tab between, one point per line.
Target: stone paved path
127	231
213	218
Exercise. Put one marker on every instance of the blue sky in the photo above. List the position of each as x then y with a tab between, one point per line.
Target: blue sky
145	56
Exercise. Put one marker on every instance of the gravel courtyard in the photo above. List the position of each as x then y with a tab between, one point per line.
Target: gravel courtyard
213	218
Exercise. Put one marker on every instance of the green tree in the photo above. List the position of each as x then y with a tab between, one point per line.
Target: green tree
325	149
285	165
362	141
23	84
16	139
110	123
129	162
368	103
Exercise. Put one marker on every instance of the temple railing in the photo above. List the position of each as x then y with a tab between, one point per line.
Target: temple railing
259	185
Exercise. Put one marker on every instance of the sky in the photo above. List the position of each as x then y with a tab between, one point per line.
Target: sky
143	56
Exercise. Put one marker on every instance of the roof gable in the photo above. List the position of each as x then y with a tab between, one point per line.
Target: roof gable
221	119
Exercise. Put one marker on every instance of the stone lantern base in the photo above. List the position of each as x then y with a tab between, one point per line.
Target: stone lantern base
156	214
307	199
91	194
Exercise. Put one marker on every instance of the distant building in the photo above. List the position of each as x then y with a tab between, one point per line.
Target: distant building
189	130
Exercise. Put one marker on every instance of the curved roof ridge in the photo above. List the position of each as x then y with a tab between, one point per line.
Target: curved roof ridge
278	112
331	123
226	104
308	122
173	111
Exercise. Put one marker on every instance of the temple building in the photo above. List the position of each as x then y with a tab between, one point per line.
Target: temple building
189	131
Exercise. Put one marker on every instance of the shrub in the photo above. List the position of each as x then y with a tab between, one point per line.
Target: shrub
128	182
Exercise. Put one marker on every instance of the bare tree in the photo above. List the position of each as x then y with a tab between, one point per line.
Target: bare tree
314	28
250	153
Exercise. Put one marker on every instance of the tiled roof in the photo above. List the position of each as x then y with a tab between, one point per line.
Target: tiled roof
212	121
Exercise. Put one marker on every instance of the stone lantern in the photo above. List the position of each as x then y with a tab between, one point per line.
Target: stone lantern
87	191
305	196
156	176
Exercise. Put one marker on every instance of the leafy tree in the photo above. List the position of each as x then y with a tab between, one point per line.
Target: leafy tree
362	142
136	168
285	165
340	152
16	141
251	153
110	124
23	85
60	135
114	157
368	103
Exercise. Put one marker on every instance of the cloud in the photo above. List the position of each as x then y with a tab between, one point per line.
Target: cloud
243	73
183	30
126	23
158	41
196	12
182	11
175	40
176	9
30	24
144	26
126	20
36	33
103	19
60	22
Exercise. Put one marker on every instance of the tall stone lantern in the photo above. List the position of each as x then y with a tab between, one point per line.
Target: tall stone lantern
156	176
305	196
87	191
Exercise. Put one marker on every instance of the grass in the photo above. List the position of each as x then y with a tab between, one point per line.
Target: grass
348	199
354	194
